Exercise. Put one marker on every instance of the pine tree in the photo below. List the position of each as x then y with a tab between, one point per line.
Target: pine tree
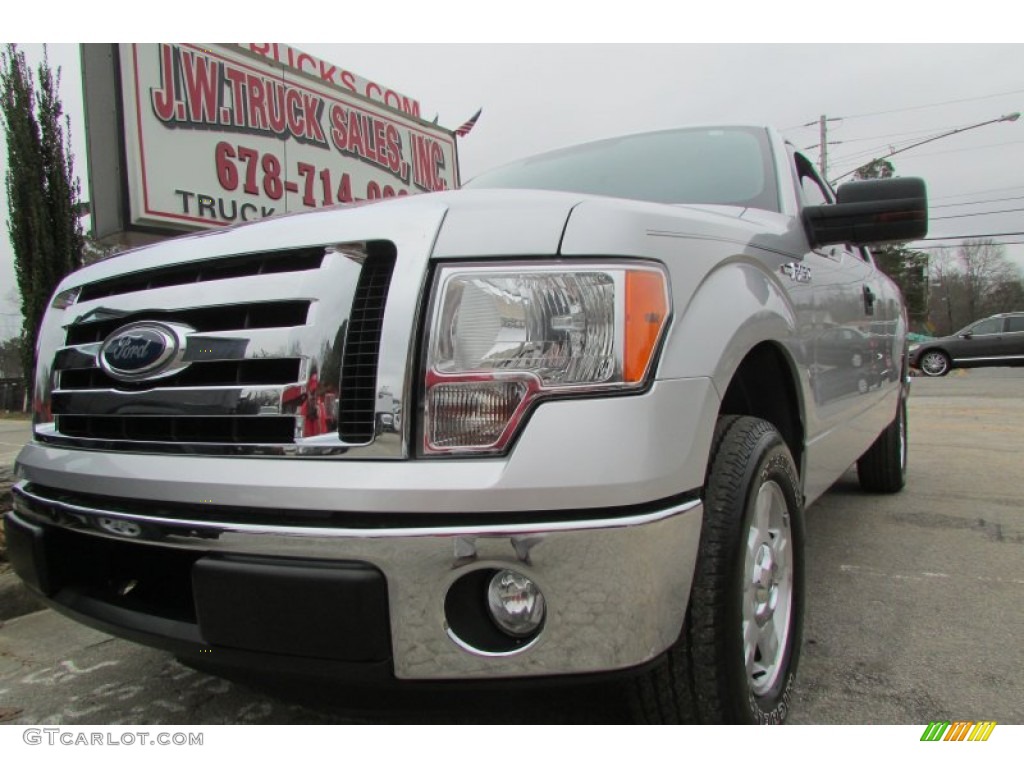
42	191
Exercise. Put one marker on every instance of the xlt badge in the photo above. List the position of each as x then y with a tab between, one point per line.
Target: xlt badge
800	273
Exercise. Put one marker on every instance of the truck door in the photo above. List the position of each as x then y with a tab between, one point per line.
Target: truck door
852	310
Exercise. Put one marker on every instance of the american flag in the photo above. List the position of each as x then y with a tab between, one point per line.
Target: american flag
467	126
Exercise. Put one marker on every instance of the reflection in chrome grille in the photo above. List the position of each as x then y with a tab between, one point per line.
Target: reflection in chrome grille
219	373
296	260
267	314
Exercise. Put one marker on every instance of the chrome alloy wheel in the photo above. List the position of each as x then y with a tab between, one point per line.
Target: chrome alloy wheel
934	364
768	589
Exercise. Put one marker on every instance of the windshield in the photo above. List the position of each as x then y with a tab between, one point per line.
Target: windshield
720	166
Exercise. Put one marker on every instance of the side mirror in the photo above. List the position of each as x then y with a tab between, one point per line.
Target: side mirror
968	335
870	212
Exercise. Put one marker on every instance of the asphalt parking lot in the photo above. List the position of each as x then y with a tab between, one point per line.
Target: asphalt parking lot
13	434
916	601
915	610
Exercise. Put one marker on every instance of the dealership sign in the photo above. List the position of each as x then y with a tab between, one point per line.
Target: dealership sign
332	73
210	135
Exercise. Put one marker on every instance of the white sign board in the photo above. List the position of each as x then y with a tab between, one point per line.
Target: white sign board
214	135
332	73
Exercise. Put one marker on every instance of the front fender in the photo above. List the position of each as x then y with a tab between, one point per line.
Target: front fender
737	306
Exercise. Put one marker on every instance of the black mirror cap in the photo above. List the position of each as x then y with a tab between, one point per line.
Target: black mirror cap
871	212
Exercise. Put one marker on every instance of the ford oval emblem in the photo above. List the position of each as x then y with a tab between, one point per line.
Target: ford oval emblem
138	351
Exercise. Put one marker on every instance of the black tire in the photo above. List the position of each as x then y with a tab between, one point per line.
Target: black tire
935	362
883	467
706	676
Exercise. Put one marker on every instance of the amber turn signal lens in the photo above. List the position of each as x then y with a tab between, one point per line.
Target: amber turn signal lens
646	311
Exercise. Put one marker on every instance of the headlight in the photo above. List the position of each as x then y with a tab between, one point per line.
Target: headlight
913	348
503	336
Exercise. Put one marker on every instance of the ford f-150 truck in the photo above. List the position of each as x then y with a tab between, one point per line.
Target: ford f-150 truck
563	421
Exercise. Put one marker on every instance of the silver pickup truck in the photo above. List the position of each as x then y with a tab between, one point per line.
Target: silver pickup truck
562	422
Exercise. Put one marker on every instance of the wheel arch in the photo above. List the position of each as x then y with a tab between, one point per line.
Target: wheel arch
764	386
739	327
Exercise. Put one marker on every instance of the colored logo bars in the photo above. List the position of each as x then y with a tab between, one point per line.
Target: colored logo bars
958	730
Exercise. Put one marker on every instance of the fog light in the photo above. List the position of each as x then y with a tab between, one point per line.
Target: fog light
516	604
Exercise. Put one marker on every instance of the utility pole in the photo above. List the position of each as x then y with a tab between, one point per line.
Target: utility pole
823	157
823	133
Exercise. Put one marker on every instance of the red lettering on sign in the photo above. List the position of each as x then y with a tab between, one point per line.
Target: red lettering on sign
227	174
273	186
257	104
428	162
202	78
276	111
237	79
339	116
437	155
293	111
164	98
394	148
312	108
248	155
345	189
327	71
355	134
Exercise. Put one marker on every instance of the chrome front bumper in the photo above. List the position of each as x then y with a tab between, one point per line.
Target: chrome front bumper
616	587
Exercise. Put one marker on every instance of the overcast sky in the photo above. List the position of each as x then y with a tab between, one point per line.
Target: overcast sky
539	97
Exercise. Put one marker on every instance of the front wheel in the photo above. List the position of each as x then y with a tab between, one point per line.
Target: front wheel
736	658
935	363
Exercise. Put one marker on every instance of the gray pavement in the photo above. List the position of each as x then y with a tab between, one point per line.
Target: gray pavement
915	610
13	434
916	601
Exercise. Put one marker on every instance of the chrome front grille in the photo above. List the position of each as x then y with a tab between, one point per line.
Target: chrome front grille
230	317
218	373
275	353
276	262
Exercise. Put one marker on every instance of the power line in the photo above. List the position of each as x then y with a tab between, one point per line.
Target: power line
933	104
814	123
870	152
976	202
920	132
980	192
972	237
913	135
976	213
960	245
969	149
